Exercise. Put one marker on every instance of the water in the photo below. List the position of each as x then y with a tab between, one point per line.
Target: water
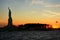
30	35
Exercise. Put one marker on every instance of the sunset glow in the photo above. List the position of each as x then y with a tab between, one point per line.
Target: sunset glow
55	26
31	11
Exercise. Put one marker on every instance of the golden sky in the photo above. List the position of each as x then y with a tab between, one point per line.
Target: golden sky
30	11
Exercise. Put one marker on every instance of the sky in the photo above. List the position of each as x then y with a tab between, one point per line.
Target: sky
30	11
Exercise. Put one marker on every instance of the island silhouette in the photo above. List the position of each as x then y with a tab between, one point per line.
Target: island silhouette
27	26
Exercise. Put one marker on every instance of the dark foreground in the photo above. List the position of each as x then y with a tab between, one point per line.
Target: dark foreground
30	35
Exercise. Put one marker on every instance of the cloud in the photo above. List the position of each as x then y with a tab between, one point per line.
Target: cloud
37	2
52	13
51	5
45	4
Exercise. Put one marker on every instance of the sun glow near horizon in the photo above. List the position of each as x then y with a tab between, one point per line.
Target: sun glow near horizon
55	26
